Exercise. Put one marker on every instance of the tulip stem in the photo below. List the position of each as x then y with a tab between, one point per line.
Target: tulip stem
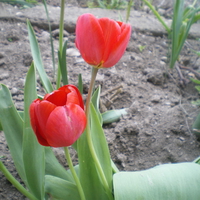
61	28
77	181
10	177
88	135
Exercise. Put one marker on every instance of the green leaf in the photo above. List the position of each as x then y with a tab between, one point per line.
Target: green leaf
101	145
54	168
170	181
197	160
33	152
88	174
12	125
80	83
113	115
61	189
63	63
38	59
180	28
95	100
195	81
1	128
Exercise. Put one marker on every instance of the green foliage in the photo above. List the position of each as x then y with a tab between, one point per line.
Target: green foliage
33	152
182	20
89	176
38	59
169	181
61	189
24	3
12	125
108	4
128	9
113	115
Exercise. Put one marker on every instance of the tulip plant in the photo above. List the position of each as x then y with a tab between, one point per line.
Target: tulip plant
60	119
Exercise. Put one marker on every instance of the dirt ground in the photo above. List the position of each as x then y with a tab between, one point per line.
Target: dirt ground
157	128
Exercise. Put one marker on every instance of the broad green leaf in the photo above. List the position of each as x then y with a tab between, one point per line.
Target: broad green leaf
113	115
61	189
54	168
89	178
101	145
12	125
88	174
33	152
165	182
38	59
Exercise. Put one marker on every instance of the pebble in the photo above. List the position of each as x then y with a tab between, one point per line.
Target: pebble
73	52
154	76
4	76
155	99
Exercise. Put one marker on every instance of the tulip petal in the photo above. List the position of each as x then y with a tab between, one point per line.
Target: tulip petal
73	95
65	125
111	31
42	112
119	47
57	97
90	39
36	123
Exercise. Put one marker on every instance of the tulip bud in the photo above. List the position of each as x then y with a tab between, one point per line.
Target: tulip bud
101	42
59	119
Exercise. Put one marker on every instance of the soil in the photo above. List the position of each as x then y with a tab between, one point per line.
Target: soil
157	128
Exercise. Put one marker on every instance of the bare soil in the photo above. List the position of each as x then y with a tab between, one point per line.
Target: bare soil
157	128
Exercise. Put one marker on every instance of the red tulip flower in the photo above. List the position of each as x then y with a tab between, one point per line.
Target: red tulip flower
59	119
101	42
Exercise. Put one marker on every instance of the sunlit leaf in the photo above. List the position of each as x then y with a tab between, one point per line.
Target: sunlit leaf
61	189
113	115
170	181
12	125
54	168
33	152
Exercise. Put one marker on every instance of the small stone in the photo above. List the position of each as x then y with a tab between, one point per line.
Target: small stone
4	76
73	52
164	59
154	76
155	99
14	91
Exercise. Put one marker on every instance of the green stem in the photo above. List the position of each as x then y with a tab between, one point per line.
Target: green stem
14	182
61	28
158	16
89	138
78	184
